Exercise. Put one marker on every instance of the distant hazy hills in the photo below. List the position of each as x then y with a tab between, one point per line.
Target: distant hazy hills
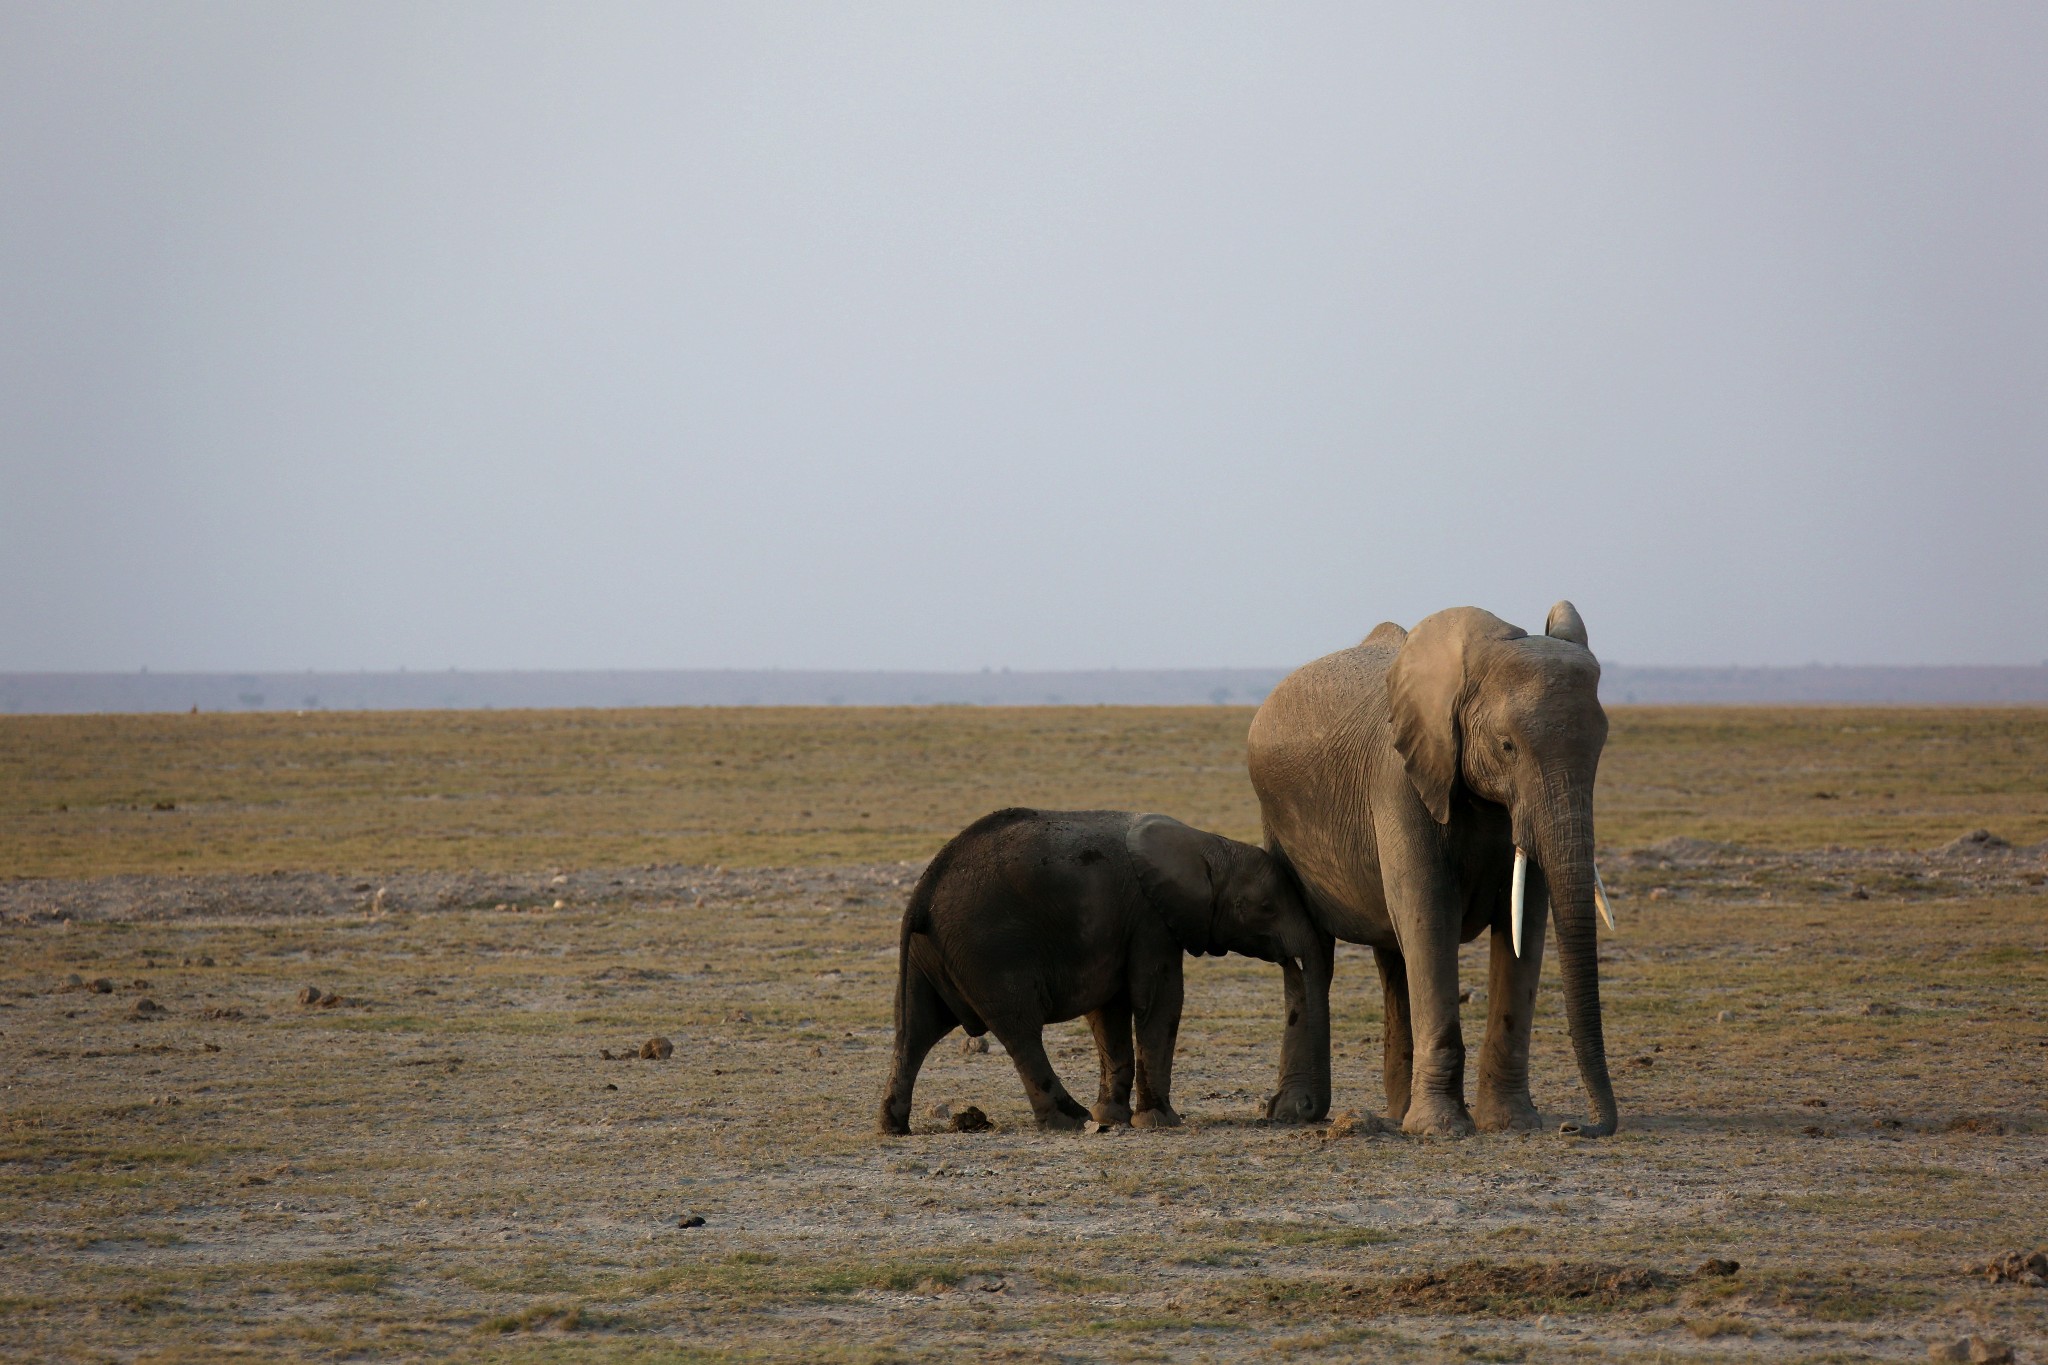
1621	684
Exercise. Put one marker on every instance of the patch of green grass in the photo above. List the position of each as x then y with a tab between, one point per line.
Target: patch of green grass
901	1276
559	1317
339	1275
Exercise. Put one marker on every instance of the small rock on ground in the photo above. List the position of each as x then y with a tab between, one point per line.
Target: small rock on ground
657	1050
970	1119
1973	1348
969	1046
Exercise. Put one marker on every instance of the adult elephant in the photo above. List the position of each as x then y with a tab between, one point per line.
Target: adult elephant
1427	786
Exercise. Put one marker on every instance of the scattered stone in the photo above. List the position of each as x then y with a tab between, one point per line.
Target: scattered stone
1660	893
218	1012
1094	1127
1979	1350
1878	1008
1642	1061
561	904
606	1053
2015	1267
609	1086
657	1050
1814	1130
310	995
1815	1103
829	974
146	1008
1717	1267
73	982
941	1110
690	1220
139	984
1465	995
99	985
1723	1016
1976	841
738	1017
254	1180
559	879
1857	893
970	1119
209	1047
330	1000
970	1046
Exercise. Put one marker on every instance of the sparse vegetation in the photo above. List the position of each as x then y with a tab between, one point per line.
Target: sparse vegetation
362	792
450	1168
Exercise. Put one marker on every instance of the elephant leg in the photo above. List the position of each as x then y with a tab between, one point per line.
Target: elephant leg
1503	1099
1397	1056
922	1020
1050	1102
1111	1026
1157	1012
1436	1098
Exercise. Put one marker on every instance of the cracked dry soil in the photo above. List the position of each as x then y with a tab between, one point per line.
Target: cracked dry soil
1841	1094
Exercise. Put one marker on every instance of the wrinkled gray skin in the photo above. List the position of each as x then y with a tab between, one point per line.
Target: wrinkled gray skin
1397	779
1030	917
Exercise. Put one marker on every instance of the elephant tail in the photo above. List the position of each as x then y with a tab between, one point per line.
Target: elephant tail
917	915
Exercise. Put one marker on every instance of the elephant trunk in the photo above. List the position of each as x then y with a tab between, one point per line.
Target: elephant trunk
1564	850
1304	1093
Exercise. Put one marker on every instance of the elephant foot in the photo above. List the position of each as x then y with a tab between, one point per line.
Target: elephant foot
1110	1111
1160	1117
1296	1104
1508	1114
893	1124
1065	1117
1437	1117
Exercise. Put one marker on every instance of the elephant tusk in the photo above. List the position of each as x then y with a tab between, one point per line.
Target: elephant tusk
1600	901
1515	897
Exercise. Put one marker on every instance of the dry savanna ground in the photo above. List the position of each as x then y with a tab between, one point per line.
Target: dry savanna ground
1829	1025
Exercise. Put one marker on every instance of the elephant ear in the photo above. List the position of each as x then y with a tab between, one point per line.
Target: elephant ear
1176	872
1427	686
1565	623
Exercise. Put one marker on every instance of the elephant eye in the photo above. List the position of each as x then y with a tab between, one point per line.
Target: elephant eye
1507	746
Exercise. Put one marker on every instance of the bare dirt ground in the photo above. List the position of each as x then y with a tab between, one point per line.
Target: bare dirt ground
1832	1069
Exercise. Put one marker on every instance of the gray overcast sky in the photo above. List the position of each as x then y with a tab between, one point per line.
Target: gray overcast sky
358	335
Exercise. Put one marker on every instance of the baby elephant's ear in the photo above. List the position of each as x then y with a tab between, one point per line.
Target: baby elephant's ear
1174	869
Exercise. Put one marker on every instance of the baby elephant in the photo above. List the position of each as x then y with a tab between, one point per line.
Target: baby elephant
1031	917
